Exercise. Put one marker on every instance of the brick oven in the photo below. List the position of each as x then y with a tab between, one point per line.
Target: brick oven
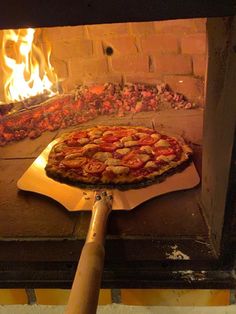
185	60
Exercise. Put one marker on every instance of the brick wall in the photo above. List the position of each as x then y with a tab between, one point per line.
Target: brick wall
171	51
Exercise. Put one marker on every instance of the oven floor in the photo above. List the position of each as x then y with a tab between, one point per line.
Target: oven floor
168	227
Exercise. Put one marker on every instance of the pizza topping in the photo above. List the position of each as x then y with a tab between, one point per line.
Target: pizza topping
73	156
58	148
150	164
110	138
164	151
130	143
83	140
166	158
113	162
162	143
90	149
148	140
143	157
156	136
118	144
95	134
126	139
118	169
146	149
132	161
79	134
108	133
140	135
75	163
94	166
102	156
98	141
123	151
108	147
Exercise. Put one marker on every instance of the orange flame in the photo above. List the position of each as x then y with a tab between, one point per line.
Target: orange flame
27	71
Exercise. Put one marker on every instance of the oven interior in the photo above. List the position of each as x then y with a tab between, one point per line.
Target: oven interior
176	69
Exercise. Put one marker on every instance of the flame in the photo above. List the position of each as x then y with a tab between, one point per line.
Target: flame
27	71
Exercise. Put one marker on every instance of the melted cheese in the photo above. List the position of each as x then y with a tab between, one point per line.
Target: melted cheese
126	139
107	133
141	135
72	156
118	169
156	136
143	157
118	144
112	162
150	164
123	151
130	143
166	158
83	140
162	143
102	156
146	149
95	134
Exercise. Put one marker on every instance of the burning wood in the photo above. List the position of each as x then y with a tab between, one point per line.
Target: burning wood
28	103
86	103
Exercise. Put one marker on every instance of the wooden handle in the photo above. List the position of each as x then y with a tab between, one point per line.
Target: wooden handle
85	290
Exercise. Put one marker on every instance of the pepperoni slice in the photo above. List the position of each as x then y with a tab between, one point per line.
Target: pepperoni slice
110	138
108	147
94	166
148	140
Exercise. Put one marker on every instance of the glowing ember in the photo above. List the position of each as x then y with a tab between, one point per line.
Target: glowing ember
27	71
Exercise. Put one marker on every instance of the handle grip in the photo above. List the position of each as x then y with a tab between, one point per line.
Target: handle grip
86	286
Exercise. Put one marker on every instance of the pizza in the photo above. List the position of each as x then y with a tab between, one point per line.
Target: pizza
115	157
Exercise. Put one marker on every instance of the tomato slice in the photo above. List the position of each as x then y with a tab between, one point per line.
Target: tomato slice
148	140
79	135
132	161
110	138
94	166
108	147
164	151
122	133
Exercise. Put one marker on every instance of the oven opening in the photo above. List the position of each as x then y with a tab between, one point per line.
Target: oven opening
150	74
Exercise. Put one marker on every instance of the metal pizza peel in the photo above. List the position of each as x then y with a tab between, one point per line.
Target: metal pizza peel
85	290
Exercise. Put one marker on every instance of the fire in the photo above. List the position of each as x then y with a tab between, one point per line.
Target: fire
27	70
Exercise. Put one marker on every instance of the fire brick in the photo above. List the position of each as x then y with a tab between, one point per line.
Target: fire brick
116	29
181	26
124	45
141	28
131	63
194	44
86	66
150	78
72	48
173	64
60	68
64	33
160	43
192	88
199	65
